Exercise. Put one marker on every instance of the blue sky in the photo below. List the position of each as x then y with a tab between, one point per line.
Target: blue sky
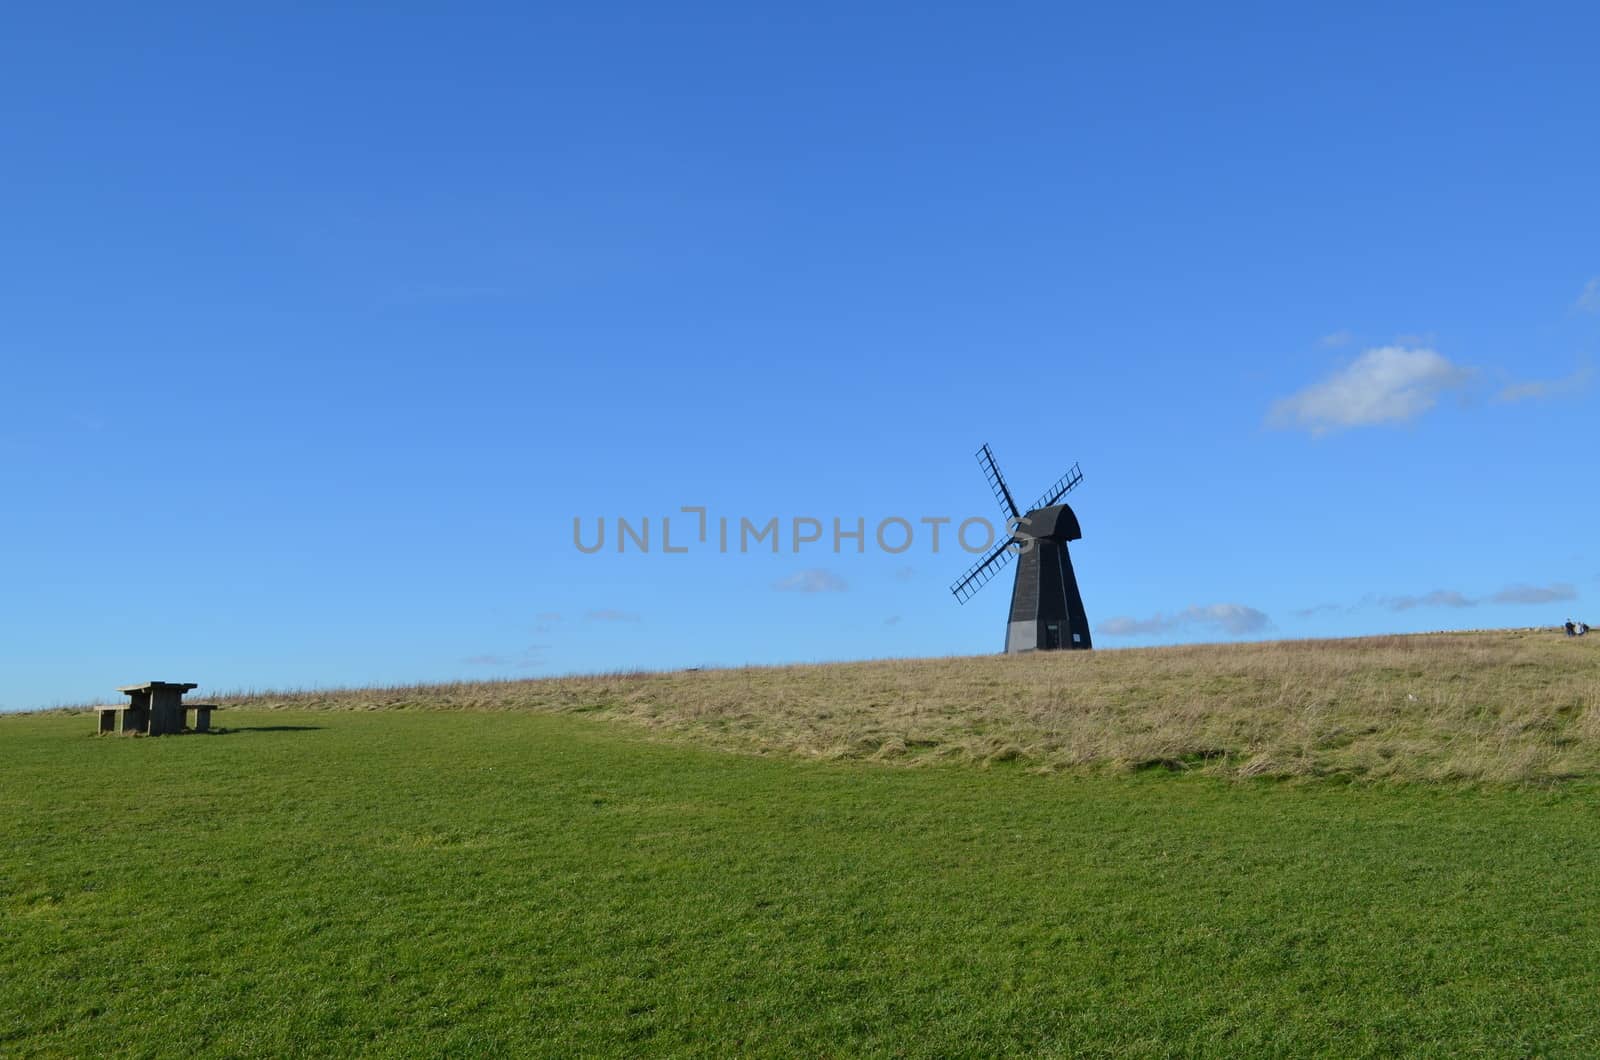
320	328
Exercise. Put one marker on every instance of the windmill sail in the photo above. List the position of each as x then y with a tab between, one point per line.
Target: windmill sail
978	575
1063	486
997	482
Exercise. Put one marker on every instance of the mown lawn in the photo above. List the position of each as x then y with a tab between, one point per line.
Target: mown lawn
508	883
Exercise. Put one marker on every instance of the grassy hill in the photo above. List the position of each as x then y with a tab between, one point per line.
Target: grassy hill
586	870
1502	706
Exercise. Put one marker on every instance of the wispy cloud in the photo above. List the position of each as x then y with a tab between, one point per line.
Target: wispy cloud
529	658
1437	598
607	614
892	620
1589	298
1334	340
1537	389
1535	594
1233	619
904	574
815	580
1317	609
1389	384
1511	594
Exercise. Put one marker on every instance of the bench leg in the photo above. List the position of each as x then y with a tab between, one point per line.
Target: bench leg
202	720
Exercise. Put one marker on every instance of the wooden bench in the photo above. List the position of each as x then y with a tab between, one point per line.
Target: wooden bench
202	715
123	718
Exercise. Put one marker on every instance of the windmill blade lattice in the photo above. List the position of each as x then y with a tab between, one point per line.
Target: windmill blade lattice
1063	486
997	482
978	575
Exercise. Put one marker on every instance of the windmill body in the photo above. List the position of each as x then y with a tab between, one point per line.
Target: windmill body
1046	607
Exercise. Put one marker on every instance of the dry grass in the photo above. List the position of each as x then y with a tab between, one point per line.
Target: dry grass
1497	707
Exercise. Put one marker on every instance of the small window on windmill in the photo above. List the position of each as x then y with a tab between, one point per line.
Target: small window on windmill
1077	638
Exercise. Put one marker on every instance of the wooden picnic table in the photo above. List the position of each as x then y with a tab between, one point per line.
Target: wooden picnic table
155	708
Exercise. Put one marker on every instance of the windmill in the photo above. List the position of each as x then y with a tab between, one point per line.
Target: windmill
1046	608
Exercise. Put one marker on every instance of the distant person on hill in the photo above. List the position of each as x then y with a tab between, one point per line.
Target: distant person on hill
1572	631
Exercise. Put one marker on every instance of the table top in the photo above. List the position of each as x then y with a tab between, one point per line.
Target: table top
158	686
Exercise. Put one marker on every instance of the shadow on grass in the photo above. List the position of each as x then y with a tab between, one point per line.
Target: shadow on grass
234	730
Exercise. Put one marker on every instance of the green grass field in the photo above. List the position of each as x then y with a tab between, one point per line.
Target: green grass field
518	883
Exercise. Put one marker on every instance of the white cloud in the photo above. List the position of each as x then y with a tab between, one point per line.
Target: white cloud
815	580
1342	337
531	658
1234	619
1511	594
1536	389
1535	594
1437	598
1389	384
1589	299
1317	609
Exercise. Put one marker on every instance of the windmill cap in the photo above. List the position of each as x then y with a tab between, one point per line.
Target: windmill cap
1055	523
